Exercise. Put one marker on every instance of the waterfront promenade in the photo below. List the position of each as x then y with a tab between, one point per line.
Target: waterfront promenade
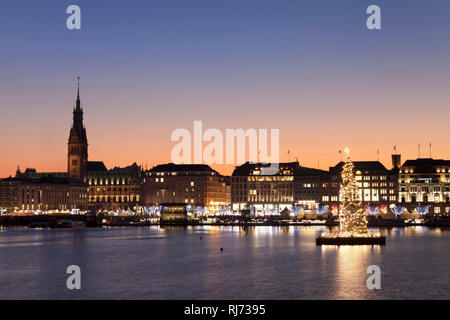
138	220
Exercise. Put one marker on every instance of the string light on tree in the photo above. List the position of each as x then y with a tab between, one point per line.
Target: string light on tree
352	217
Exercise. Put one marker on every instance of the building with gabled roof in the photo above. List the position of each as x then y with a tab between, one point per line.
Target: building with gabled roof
113	189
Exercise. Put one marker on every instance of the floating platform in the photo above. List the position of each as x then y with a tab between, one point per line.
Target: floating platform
351	241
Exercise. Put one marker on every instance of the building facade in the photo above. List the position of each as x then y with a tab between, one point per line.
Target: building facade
48	193
308	187
193	184
115	189
378	186
252	188
425	182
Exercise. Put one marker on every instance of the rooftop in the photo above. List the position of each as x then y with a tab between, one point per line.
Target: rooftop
248	167
425	165
370	166
171	167
96	166
44	180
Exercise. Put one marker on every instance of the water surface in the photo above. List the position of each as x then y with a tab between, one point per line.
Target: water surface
256	263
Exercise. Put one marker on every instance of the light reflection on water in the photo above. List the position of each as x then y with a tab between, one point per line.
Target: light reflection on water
350	267
186	263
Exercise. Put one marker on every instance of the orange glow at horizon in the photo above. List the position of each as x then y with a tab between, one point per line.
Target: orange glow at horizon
125	127
319	148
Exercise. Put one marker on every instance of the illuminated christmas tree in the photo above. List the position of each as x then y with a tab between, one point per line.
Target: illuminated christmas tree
352	218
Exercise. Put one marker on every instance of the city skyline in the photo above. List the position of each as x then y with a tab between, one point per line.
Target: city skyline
423	151
244	66
229	167
224	158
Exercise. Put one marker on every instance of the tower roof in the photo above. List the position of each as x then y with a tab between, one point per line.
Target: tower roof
78	132
78	94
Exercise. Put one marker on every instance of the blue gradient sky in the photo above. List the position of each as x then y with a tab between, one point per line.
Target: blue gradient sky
310	68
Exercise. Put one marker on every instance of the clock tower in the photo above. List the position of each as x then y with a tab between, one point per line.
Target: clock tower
77	156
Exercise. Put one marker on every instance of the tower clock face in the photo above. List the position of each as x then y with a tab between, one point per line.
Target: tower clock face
74	162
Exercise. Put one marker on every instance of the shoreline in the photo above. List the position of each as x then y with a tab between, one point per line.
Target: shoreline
51	221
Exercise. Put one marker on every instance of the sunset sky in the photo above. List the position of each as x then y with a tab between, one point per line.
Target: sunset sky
309	68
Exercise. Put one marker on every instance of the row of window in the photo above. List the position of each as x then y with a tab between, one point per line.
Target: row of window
180	173
114	189
366	198
435	199
98	199
425	189
112	181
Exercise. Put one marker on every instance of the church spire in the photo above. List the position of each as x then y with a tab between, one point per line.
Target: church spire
78	131
78	106
77	144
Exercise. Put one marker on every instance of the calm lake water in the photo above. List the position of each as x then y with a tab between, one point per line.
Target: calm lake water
256	263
